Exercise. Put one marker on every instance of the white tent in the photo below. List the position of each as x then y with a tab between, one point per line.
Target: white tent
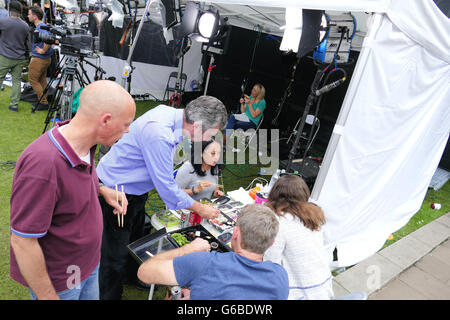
393	125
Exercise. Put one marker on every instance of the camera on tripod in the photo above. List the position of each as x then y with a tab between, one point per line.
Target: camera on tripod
74	41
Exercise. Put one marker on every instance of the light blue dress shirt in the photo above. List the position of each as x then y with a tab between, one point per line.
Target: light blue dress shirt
143	158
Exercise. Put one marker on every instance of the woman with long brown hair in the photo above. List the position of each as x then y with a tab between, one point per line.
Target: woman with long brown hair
298	246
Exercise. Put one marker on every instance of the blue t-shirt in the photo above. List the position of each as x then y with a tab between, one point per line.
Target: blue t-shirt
49	52
261	105
230	276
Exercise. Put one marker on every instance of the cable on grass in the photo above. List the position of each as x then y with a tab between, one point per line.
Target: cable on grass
8	165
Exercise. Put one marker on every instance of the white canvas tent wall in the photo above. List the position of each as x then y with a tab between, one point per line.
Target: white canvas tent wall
152	78
392	128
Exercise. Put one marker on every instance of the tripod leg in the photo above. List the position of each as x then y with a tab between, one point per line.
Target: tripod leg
49	85
53	108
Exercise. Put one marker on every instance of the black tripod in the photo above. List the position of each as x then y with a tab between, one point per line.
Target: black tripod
312	97
61	106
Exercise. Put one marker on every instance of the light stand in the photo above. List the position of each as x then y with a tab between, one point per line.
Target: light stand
128	69
309	102
287	93
175	98
210	68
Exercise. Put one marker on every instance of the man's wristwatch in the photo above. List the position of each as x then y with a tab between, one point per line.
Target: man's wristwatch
193	192
100	184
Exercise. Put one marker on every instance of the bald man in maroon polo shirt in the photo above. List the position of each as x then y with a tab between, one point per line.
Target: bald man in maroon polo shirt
56	220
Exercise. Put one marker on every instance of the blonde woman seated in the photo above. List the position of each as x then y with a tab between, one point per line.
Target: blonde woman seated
199	177
252	108
298	246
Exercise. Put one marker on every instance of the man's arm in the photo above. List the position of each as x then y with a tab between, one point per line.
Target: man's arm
204	210
30	258
159	269
42	50
110	197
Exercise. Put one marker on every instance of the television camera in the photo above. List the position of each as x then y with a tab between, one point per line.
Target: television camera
73	41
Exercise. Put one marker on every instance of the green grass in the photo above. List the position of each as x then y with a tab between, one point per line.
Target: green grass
18	130
426	214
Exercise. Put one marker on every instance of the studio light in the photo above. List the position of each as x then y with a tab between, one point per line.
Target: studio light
201	25
206	24
311	28
337	42
304	30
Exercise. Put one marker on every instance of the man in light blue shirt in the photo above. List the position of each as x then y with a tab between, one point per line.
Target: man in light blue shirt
141	161
238	275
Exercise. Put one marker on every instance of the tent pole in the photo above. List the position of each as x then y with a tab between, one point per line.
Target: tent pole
346	105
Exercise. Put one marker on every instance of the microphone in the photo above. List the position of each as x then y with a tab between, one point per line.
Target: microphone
330	86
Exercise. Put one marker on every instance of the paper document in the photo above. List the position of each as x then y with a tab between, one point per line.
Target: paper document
241	117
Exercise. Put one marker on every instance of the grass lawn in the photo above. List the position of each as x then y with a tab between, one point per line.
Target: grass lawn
18	130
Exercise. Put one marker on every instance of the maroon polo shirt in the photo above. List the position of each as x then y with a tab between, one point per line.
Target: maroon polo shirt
55	199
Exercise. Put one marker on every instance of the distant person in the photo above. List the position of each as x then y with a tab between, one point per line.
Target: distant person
24	13
298	246
199	178
56	219
14	50
3	11
252	108
238	275
40	60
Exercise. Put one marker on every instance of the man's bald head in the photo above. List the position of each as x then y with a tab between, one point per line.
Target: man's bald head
104	96
106	110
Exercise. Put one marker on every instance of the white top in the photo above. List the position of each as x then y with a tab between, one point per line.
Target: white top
301	252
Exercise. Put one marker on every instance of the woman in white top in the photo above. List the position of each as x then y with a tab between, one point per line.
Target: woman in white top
199	177
298	246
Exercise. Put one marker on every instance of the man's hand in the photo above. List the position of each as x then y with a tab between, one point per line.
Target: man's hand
111	198
39	50
204	210
197	245
208	212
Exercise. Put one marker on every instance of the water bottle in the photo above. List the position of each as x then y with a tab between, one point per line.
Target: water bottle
274	178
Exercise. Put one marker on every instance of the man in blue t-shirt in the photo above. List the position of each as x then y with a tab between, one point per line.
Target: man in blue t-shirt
41	59
238	275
